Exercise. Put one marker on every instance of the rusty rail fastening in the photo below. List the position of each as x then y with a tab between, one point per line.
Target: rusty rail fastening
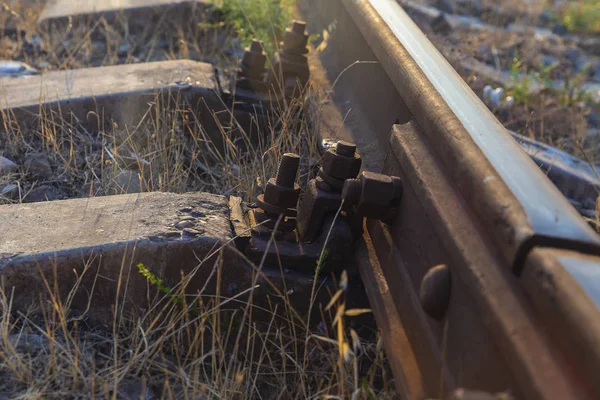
287	75
303	232
484	279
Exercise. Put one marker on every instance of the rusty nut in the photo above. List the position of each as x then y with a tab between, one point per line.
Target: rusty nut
376	190
290	66
341	167
254	61
296	36
373	195
380	190
280	196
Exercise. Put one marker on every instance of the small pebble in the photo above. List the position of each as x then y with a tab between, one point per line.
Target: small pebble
38	165
10	191
15	68
172	233
125	182
124	49
496	97
7	166
184	224
193	232
43	193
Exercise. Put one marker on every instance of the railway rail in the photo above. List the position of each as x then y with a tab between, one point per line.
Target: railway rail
482	239
482	276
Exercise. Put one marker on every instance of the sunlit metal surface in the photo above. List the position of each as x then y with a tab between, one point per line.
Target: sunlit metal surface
586	273
549	213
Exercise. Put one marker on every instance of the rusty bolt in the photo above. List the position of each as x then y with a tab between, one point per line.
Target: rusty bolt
282	192
296	38
435	291
281	196
373	195
346	149
254	59
299	27
288	169
290	70
342	162
352	191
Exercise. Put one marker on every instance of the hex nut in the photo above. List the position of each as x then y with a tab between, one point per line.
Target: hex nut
280	196
341	167
374	195
254	61
377	190
296	37
293	40
335	183
291	66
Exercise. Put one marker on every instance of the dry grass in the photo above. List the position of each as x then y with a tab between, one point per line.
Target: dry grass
203	346
92	42
197	347
169	149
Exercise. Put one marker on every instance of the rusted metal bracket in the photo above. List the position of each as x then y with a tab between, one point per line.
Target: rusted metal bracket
373	195
285	78
564	288
474	202
323	195
273	226
254	93
299	242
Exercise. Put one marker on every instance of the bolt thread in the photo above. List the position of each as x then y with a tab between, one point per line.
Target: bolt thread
352	191
345	149
287	171
299	27
256	46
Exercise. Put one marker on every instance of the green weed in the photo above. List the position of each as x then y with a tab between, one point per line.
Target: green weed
156	281
568	94
520	87
581	16
265	20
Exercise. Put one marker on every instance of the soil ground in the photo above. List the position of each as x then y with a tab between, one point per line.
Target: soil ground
523	47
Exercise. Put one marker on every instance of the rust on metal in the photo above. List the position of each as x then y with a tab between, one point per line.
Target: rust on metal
472	201
282	192
373	195
251	71
342	162
405	358
435	291
535	364
289	66
564	288
323	194
519	206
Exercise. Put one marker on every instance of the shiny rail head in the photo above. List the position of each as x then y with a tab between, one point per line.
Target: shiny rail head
476	149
